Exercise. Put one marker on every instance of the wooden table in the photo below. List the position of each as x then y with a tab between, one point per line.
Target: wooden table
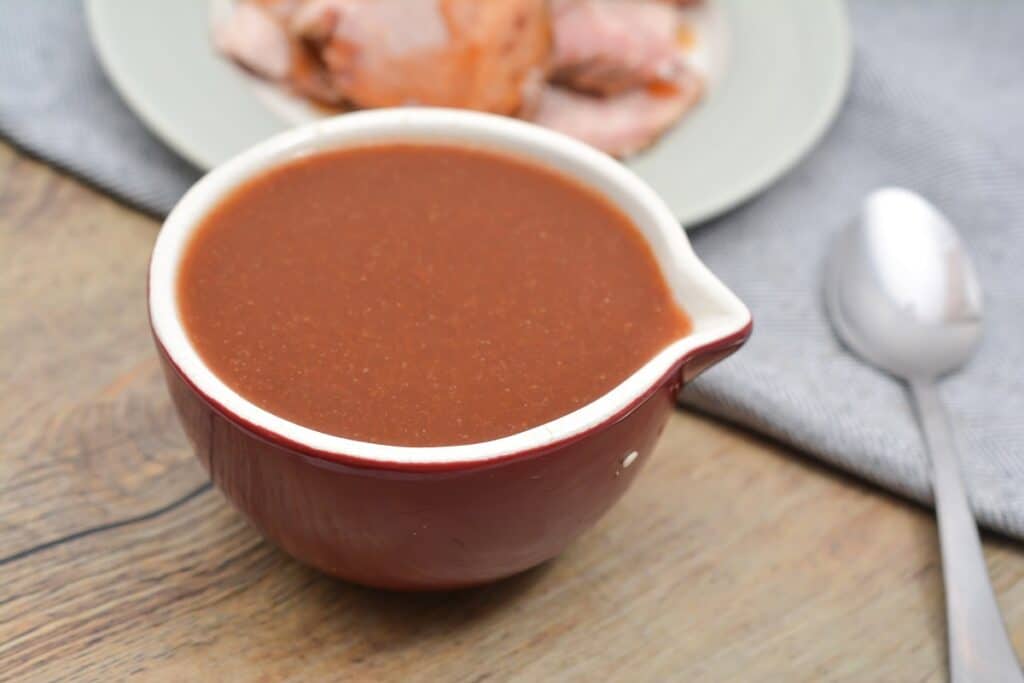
731	559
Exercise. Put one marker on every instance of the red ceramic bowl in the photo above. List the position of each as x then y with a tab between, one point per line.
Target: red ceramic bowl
437	517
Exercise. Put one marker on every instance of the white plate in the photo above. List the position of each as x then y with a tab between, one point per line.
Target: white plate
779	72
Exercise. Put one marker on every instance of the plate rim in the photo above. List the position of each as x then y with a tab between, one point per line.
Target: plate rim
733	196
812	134
149	117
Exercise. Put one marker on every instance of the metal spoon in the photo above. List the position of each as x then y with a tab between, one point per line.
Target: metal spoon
902	293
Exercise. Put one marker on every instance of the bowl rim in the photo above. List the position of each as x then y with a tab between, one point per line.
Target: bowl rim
729	327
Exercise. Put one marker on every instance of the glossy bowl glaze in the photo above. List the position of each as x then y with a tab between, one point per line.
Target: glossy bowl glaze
436	517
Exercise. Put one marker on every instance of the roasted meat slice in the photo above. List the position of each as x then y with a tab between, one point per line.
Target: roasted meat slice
618	124
257	39
452	53
376	53
608	46
257	36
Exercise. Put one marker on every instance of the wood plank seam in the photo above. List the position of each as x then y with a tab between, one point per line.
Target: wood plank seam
109	526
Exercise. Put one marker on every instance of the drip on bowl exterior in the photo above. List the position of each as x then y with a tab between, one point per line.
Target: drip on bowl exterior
441	517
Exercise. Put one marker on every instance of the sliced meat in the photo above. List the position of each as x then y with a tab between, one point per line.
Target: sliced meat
618	124
257	40
621	79
257	36
281	10
608	46
454	53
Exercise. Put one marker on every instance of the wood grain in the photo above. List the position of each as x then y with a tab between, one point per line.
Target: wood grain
731	559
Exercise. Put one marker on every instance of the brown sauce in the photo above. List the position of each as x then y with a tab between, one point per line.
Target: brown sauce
422	295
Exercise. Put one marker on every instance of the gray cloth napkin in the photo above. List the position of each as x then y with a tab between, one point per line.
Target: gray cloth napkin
936	104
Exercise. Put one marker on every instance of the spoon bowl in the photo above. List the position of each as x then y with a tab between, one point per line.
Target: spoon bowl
901	289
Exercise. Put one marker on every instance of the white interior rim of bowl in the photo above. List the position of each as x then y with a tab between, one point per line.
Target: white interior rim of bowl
423	125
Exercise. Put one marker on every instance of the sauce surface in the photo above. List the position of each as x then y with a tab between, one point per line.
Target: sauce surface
422	295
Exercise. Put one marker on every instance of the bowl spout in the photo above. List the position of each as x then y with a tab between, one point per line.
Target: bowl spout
705	356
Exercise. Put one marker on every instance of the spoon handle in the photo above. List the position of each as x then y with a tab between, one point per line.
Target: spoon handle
979	648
